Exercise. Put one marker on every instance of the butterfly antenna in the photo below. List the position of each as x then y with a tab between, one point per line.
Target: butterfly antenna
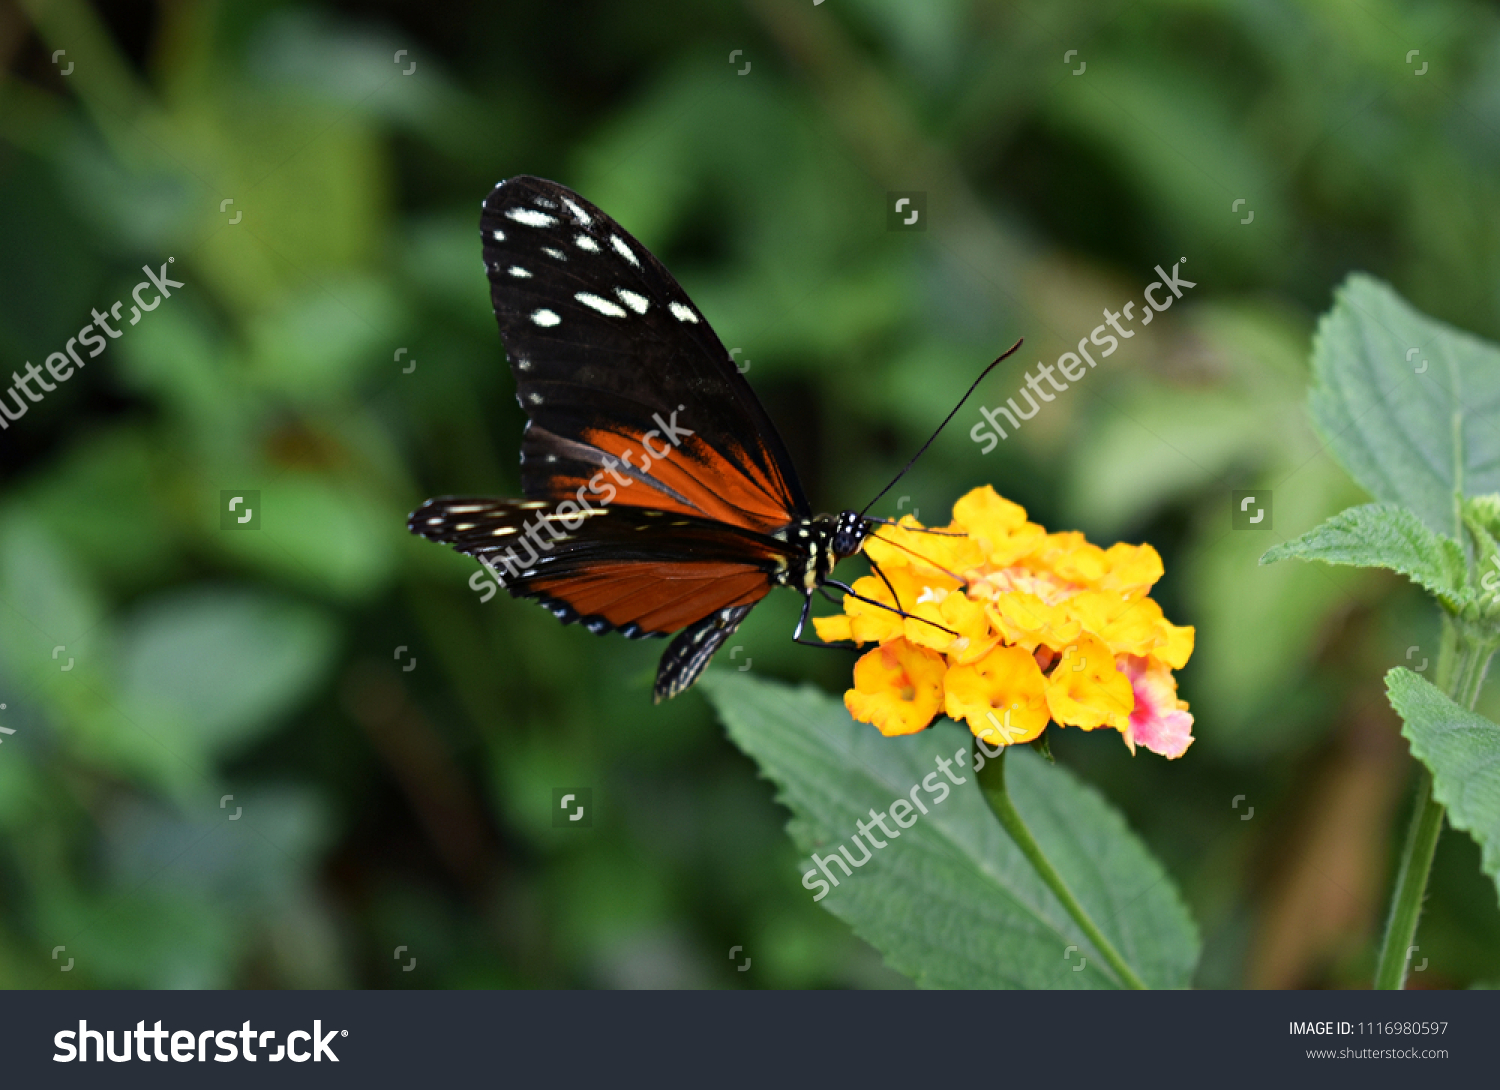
919	556
914	529
1004	355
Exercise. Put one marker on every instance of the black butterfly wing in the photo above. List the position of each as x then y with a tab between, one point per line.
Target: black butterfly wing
642	572
627	387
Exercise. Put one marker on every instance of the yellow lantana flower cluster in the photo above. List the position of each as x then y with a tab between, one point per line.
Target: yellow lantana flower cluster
1049	628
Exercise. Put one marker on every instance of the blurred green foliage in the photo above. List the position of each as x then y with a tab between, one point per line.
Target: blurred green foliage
382	807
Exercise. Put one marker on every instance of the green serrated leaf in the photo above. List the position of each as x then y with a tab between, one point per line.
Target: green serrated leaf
1409	406
1382	535
1462	749
1482	516
952	903
1485	511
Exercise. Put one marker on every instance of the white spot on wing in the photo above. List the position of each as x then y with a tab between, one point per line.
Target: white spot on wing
498	235
545	202
634	300
603	306
545	317
534	398
682	313
623	250
530	217
518	272
586	243
552	251
579	214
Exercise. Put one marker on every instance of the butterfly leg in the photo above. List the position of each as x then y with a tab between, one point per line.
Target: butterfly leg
847	589
802	620
894	596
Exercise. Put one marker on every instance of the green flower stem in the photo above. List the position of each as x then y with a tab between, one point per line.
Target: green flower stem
1460	674
992	782
1411	886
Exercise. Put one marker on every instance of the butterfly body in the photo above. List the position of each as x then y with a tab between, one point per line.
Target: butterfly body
660	497
821	542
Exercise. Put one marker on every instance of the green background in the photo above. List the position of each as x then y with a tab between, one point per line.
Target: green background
383	807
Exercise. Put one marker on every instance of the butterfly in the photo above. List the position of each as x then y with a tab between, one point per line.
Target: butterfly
660	498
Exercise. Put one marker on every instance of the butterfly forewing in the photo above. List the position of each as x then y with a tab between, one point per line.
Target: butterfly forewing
618	371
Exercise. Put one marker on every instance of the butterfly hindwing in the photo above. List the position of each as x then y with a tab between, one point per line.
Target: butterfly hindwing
688	655
637	571
615	367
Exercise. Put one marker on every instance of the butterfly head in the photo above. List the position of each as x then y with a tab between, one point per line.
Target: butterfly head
849	532
822	542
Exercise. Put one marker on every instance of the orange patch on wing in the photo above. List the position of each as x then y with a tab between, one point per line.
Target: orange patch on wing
714	487
658	597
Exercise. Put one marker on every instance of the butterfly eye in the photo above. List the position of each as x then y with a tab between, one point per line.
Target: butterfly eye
849	535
